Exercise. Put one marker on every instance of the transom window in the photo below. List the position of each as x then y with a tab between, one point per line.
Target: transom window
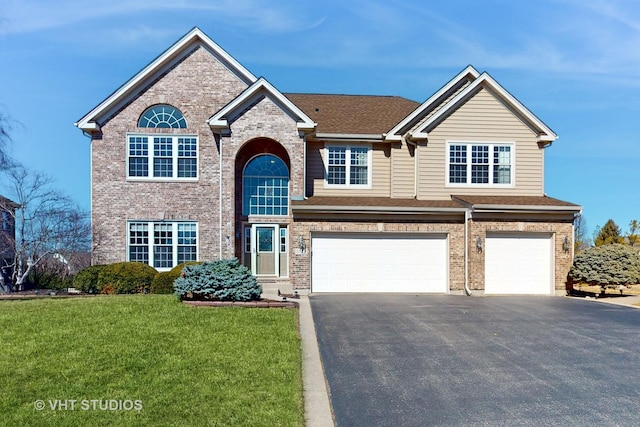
162	116
162	245
265	185
162	156
482	164
348	166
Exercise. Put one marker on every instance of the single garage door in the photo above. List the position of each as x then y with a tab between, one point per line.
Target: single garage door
381	262
519	263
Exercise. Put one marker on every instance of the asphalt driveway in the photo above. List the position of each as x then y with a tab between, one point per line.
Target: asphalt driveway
407	360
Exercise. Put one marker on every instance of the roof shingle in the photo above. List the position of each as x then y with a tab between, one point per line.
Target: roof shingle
353	114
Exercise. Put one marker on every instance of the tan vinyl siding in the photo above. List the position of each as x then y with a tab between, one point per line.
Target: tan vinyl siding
483	118
403	171
380	173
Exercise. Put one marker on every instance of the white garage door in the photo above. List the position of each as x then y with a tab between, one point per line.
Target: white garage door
386	262
519	263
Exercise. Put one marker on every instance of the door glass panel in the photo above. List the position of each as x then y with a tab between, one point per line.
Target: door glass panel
265	239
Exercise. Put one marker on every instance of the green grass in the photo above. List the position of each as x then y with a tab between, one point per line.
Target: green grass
188	366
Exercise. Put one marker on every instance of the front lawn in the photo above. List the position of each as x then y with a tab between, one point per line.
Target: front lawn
174	364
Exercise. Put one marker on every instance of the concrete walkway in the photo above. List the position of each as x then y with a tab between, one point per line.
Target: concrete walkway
317	408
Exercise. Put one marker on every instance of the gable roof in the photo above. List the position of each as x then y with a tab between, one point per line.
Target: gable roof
545	134
252	95
91	121
350	115
435	101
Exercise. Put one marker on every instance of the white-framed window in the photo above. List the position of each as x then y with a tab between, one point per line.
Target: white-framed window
265	186
348	166
480	163
162	157
162	244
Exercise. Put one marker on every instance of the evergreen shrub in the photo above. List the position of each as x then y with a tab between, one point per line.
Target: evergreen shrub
86	280
225	280
126	277
606	265
163	281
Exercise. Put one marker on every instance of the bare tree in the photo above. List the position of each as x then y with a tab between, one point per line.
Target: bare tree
47	223
633	232
581	239
6	126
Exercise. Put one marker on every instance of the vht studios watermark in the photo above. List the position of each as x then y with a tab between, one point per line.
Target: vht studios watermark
88	405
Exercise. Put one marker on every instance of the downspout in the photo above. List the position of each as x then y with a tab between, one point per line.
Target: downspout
304	166
407	140
88	135
467	291
220	196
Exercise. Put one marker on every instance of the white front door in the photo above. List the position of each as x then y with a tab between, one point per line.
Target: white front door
265	249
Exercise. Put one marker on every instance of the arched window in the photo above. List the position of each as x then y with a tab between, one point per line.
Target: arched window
162	116
265	183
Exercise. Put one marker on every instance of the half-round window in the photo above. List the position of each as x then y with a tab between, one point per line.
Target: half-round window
162	116
265	183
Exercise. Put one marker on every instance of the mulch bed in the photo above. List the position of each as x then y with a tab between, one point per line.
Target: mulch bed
263	303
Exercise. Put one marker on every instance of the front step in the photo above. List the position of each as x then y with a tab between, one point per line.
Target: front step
271	285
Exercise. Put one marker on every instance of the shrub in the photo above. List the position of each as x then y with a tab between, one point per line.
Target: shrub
225	280
86	280
126	277
163	281
614	264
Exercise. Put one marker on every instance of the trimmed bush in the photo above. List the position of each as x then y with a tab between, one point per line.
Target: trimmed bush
163	281
86	280
225	280
613	264
126	277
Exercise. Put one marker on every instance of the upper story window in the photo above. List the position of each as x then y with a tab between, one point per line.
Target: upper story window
162	116
161	156
348	166
265	186
480	164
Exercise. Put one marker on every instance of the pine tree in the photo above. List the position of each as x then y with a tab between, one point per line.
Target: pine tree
608	234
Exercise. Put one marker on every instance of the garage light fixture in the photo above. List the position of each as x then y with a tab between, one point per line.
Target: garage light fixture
302	245
566	244
479	243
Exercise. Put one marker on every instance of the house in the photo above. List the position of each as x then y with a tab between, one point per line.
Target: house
7	235
195	158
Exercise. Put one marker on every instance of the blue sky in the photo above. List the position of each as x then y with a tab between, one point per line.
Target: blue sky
574	63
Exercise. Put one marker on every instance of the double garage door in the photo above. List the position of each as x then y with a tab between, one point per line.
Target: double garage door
515	263
380	262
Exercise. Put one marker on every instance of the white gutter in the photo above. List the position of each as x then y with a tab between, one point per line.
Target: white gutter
373	137
529	208
380	209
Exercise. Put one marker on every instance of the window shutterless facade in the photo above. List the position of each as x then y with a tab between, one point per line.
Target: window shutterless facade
162	245
482	164
162	157
348	166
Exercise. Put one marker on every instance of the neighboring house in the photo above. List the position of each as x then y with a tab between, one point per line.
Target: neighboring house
195	158
7	234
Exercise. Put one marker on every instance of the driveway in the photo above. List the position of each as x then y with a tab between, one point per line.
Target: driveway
407	360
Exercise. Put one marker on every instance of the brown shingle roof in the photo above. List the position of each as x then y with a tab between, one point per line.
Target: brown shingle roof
515	201
353	114
383	202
